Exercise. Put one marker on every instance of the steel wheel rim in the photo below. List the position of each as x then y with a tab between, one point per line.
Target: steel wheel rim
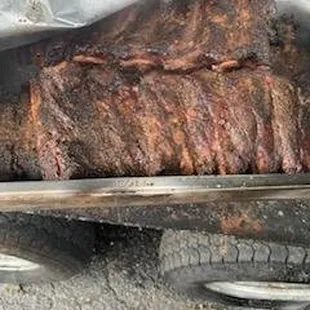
275	291
11	263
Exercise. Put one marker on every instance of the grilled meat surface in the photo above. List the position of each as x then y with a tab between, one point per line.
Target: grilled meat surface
181	87
175	35
199	123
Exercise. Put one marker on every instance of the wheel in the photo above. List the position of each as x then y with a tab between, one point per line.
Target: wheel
42	249
235	271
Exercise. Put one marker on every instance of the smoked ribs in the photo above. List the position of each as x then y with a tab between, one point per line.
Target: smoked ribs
160	88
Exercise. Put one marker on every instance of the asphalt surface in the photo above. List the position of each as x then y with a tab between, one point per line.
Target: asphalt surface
123	276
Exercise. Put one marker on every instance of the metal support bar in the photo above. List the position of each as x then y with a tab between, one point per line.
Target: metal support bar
125	192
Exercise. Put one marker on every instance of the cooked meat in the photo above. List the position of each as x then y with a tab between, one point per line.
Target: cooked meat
176	35
94	111
291	60
94	121
19	158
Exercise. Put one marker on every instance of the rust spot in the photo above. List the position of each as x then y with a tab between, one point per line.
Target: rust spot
240	224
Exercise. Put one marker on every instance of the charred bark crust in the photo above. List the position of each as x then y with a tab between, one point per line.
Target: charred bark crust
185	87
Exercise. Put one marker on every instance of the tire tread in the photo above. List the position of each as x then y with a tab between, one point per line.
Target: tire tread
181	247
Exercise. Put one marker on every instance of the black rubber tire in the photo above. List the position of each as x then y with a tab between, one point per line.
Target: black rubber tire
189	259
60	247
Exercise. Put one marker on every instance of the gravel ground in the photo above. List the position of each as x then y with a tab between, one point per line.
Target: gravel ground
123	275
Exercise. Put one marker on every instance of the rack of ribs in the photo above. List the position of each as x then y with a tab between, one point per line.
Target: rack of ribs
160	88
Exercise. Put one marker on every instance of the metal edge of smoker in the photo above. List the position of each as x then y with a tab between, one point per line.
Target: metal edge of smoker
267	207
148	191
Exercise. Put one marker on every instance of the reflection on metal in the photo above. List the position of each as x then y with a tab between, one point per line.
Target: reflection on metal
262	290
13	263
120	192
